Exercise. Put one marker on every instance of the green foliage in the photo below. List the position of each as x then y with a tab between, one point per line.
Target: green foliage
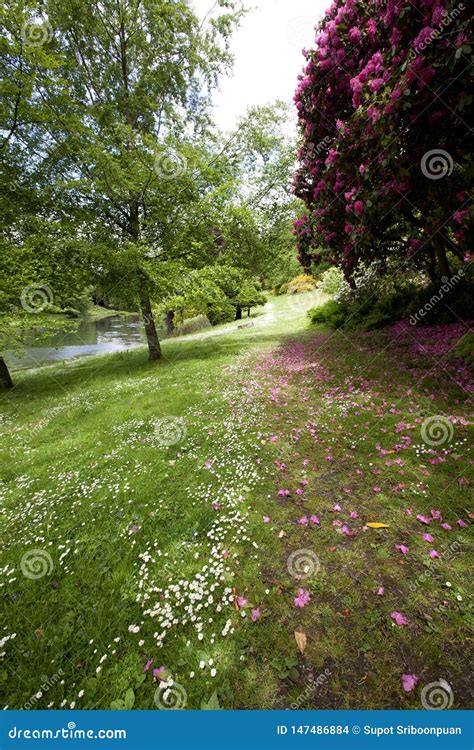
331	281
300	284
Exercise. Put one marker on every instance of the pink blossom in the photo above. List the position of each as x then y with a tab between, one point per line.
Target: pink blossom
423	519
226	554
336	508
255	614
433	554
446	526
303	521
148	665
284	493
134	529
216	505
302	599
401	548
399	618
409	682
376	489
354	514
241	601
462	524
315	520
436	514
159	673
380	591
266	519
428	537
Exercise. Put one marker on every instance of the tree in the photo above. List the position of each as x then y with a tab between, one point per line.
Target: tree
386	155
114	89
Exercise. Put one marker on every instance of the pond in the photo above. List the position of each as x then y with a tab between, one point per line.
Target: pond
113	334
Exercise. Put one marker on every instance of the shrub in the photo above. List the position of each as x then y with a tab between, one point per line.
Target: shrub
464	349
300	284
191	325
331	281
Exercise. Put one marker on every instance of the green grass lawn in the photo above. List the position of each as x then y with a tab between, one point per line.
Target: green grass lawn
157	512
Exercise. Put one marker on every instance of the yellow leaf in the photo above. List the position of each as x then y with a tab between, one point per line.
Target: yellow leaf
301	640
377	525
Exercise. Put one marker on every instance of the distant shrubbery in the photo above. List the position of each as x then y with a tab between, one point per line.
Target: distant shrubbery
380	300
298	285
331	281
192	325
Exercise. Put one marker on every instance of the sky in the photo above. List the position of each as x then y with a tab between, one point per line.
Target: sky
267	50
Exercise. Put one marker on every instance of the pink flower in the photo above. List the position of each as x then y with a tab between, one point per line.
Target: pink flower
315	520
433	554
299	491
409	682
336	508
159	673
423	519
302	599
216	505
226	554
399	618
428	537
354	35
304	482
303	521
284	493
241	601
446	526
408	511
354	514
208	463
436	514
266	519
380	591
462	524
401	548
377	489
346	530
255	614
148	665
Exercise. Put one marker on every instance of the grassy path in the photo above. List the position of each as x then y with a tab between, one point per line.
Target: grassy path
162	525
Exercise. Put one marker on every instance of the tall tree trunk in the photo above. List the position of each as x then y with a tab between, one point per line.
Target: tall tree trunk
5	379
154	348
432	264
238	313
443	265
169	323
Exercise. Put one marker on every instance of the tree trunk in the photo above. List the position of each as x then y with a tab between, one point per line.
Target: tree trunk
443	265
238	313
248	312
432	265
169	323
154	347
5	379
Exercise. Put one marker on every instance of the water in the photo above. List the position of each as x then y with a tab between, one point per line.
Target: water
114	334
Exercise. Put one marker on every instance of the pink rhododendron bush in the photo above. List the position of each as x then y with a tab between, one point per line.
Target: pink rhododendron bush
385	159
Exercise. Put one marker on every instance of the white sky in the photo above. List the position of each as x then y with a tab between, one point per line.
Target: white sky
267	50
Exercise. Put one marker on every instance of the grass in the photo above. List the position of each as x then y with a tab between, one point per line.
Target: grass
133	504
